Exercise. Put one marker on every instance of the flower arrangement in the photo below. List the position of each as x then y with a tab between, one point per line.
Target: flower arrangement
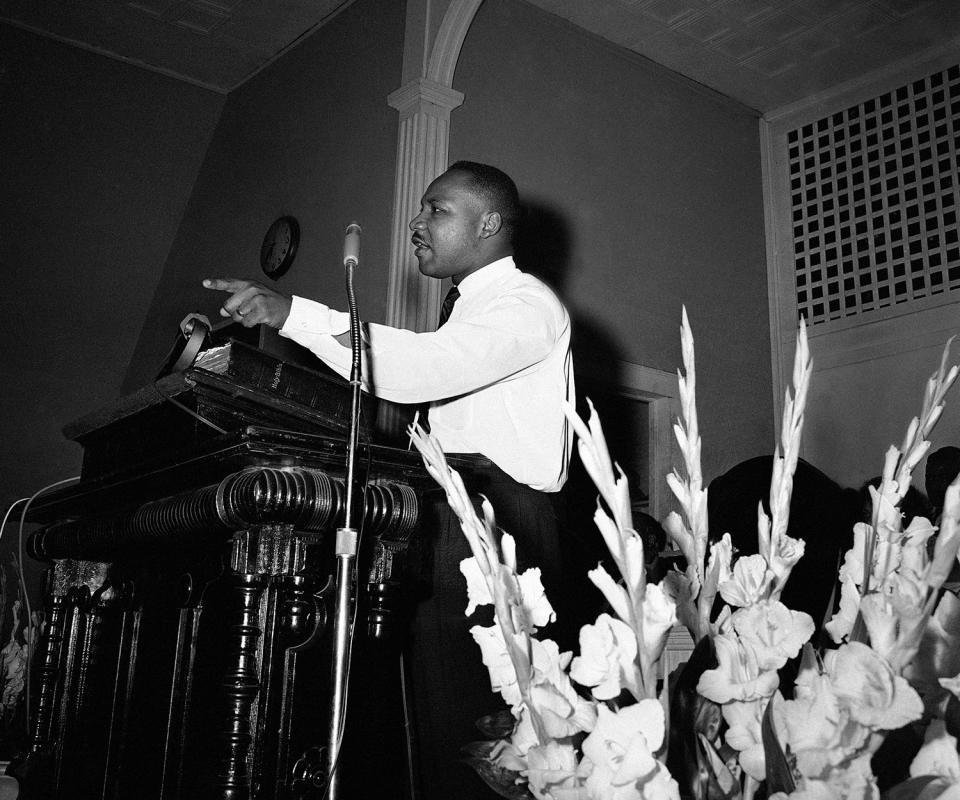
14	660
602	725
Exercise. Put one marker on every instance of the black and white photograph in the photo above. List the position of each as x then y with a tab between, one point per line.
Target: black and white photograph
477	399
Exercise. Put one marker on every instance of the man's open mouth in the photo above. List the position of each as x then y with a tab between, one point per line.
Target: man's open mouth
419	243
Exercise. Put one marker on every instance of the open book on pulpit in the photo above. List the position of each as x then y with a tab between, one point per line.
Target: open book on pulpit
236	380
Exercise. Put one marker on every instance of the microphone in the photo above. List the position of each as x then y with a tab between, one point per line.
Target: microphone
351	245
346	544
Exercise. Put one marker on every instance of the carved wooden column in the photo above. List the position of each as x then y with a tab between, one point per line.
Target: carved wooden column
240	687
73	614
48	674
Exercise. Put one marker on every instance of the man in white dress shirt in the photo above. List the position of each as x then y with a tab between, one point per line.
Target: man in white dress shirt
495	374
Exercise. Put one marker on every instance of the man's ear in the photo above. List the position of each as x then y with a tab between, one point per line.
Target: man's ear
492	222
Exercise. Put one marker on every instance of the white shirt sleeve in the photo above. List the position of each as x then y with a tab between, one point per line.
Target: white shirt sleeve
309	316
484	346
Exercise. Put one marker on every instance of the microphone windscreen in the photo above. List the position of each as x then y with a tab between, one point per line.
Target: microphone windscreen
351	245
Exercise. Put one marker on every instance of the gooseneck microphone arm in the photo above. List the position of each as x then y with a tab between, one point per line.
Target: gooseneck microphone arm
351	258
347	536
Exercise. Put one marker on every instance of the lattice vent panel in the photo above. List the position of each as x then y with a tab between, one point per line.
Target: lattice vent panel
875	196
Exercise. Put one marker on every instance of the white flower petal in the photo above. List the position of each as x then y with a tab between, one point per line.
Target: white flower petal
607	653
938	756
535	603
496	658
508	547
749	582
659	616
478	594
615	594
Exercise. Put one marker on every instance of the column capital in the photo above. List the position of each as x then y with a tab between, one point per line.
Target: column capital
425	96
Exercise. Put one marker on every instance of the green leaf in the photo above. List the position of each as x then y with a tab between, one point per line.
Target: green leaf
779	773
696	733
951	716
498	725
717	782
925	787
504	782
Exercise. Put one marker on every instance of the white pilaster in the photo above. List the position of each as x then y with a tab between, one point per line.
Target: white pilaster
423	139
413	301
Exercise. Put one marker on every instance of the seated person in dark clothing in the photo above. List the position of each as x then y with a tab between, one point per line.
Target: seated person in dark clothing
822	513
943	465
654	540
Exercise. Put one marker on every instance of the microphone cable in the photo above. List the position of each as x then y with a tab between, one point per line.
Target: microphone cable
31	642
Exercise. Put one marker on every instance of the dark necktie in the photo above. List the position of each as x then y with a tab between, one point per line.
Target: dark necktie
445	310
447	306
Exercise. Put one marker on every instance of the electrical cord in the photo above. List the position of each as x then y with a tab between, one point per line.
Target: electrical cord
408	727
6	516
30	645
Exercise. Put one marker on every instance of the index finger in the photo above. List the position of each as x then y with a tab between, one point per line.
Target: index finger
225	284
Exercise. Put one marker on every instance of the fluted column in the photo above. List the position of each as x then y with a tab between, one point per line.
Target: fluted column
422	146
431	52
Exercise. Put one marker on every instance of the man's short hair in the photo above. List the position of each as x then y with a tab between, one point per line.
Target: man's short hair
498	189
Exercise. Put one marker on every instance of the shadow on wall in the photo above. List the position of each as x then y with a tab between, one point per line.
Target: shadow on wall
543	249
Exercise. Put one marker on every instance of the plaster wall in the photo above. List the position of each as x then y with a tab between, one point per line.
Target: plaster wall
97	162
646	195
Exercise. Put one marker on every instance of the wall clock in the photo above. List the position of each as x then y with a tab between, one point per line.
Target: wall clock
279	246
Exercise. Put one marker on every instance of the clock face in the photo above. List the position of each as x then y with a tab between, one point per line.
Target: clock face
279	247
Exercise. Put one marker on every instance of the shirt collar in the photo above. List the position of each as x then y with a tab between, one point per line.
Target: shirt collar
486	275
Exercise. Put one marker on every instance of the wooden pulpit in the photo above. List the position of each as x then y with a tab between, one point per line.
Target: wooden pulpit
186	651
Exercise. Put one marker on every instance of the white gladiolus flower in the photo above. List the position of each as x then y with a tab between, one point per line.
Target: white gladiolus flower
606	660
621	749
615	594
785	555
552	772
772	631
865	683
881	623
737	676
846	700
535	603
913	555
497	660
749	582
659	616
842	623
743	735
533	599
478	594
952	685
938	756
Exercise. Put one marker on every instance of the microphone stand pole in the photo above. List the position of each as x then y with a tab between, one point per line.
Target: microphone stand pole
347	540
